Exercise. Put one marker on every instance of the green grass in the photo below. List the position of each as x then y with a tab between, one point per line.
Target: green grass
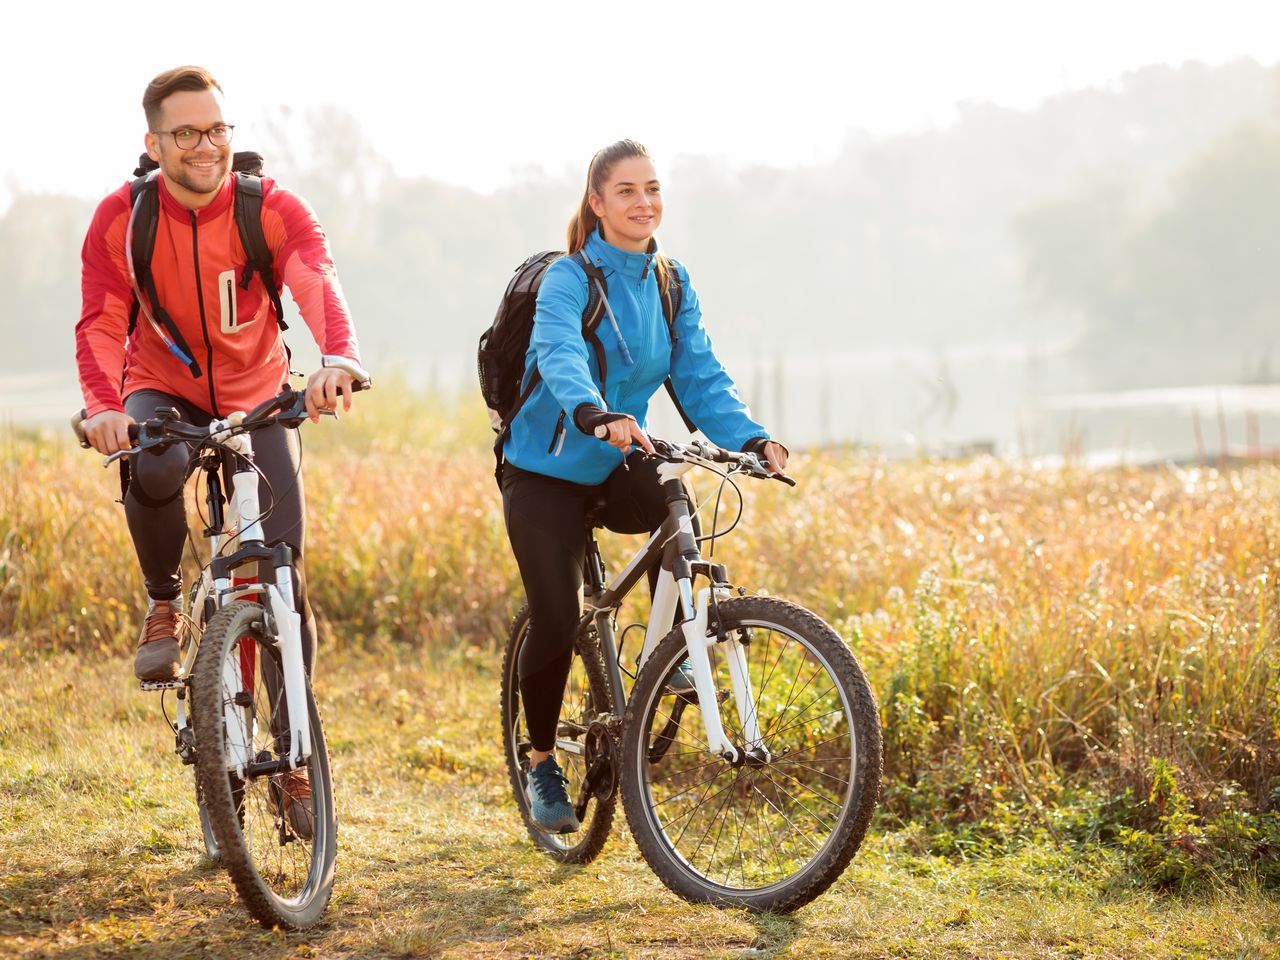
100	854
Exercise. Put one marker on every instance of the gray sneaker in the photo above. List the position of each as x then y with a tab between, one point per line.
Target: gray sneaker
157	656
549	806
681	682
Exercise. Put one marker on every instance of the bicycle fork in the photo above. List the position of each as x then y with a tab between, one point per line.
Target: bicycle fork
281	607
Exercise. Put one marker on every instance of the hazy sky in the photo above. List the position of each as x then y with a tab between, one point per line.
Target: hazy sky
474	93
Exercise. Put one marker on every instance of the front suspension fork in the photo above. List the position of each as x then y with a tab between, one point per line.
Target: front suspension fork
698	643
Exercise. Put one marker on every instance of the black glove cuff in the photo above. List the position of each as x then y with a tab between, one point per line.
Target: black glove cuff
756	445
588	416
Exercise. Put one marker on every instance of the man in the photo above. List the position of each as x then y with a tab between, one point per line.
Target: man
222	311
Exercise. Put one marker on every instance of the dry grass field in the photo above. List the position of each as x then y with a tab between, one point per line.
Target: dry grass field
1079	676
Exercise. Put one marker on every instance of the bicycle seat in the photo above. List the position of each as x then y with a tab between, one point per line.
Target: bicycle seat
595	506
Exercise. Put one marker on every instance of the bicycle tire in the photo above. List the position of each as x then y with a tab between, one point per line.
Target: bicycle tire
283	879
587	697
192	630
834	750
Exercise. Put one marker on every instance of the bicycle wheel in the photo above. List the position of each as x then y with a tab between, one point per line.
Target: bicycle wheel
771	832
586	698
284	877
192	628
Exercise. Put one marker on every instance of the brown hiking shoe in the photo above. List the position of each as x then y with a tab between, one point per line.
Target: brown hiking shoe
157	656
296	788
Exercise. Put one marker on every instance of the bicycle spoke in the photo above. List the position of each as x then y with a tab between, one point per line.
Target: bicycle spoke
687	790
803	834
805	709
696	807
791	697
723	803
680	729
797	802
808	766
816	793
830	713
683	770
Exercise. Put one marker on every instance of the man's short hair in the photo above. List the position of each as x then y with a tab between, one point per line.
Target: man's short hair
170	82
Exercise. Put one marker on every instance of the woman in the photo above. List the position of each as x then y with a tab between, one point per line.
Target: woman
554	461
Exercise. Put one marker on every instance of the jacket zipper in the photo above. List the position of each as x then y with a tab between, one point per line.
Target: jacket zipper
231	305
204	327
555	435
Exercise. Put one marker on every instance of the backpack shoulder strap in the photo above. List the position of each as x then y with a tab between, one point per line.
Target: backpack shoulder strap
144	218
672	301
593	312
258	255
144	206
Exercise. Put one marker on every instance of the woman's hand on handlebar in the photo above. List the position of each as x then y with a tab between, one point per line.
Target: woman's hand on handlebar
322	391
108	431
623	433
775	454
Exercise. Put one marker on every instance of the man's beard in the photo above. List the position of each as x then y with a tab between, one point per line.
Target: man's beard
187	181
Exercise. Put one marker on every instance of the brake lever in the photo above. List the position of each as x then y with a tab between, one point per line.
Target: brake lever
108	461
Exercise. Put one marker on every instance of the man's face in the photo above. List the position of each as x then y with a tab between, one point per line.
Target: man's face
201	169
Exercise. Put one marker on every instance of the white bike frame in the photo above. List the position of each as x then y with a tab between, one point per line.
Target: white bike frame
243	528
671	594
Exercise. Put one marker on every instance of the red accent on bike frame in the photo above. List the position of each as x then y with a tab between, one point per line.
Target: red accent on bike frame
248	646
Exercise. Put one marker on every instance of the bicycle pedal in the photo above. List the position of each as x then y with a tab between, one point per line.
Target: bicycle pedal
149	685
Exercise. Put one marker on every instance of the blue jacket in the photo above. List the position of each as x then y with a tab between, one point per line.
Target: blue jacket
544	438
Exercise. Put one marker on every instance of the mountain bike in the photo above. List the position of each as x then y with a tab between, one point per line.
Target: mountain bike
753	790
245	716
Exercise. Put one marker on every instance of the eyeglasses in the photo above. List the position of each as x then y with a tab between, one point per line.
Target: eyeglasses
188	138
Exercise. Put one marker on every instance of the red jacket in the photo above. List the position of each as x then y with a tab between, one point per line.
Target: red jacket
232	332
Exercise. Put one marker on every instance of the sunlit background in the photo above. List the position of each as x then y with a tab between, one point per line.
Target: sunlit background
1042	229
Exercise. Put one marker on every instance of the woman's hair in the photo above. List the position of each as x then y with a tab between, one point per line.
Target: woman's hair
584	219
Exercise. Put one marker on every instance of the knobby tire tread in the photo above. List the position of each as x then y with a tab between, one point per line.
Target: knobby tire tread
865	720
224	628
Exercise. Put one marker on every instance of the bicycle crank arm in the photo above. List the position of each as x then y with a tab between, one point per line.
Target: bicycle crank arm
267	768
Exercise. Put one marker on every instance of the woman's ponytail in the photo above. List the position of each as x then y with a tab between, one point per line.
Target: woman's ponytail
584	219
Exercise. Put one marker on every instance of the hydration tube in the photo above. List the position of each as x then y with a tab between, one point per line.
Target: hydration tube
137	290
626	354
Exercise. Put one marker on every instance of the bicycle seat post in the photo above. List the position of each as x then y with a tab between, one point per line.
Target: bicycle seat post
594	566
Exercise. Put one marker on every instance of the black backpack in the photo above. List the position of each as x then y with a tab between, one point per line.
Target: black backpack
145	201
500	358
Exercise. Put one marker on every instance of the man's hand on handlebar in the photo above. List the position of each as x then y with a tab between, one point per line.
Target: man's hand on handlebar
323	389
108	431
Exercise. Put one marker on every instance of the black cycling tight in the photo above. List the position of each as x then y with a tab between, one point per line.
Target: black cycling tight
546	523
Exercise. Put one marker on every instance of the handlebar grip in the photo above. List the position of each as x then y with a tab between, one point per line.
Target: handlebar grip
602	431
135	430
77	427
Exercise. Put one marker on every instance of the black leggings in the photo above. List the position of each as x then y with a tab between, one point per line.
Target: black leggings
153	503
546	523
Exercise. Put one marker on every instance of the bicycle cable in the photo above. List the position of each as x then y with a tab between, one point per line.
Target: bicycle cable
726	477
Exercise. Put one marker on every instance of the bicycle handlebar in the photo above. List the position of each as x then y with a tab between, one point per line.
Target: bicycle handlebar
290	406
749	463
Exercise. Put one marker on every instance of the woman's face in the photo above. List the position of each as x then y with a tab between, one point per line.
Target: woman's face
630	204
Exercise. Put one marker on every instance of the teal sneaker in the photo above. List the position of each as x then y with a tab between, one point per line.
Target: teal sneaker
549	806
681	681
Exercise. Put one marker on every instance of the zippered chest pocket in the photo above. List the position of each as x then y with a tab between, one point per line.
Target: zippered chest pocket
238	308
